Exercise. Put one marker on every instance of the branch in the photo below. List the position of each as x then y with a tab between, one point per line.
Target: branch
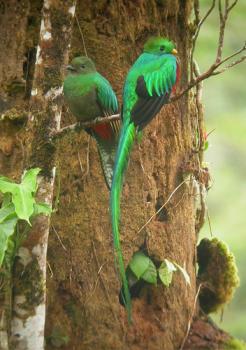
243	48
210	72
223	20
191	317
163	205
218	61
199	24
82	125
232	64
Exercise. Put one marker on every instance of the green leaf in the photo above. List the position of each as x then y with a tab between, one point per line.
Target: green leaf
166	272
184	273
4	178
6	199
29	179
7	211
131	278
205	147
150	275
23	193
7	186
7	228
139	264
42	208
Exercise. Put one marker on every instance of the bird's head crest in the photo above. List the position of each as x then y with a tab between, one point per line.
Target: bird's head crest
159	46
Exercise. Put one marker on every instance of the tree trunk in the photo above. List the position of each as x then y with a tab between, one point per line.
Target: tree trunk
83	309
83	290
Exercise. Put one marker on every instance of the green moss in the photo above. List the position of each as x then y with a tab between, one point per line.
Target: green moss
58	338
234	344
218	274
30	283
16	86
14	115
74	312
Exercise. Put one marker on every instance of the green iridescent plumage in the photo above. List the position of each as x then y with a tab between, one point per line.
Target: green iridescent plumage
147	88
89	95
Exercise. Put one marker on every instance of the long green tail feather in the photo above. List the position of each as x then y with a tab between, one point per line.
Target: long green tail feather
121	161
107	151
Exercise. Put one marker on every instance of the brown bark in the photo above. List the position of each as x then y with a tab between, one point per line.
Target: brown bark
86	287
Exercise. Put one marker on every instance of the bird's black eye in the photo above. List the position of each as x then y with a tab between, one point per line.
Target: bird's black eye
82	66
162	48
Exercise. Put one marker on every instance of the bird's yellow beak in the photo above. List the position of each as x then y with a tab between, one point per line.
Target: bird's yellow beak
174	51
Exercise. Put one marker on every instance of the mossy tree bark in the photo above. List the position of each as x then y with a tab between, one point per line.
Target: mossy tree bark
28	300
86	287
83	310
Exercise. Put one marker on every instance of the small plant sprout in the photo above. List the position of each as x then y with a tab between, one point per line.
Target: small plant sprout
18	205
141	267
167	269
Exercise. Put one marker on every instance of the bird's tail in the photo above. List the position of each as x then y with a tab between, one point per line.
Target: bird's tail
122	156
107	137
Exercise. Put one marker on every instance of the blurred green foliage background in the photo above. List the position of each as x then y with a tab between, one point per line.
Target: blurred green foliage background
224	97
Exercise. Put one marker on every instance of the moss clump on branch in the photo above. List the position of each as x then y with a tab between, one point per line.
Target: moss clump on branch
234	344
218	274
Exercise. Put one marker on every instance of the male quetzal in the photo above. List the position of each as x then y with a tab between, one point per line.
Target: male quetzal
89	95
147	88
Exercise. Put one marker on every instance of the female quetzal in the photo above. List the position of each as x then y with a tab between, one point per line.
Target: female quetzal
147	88
89	95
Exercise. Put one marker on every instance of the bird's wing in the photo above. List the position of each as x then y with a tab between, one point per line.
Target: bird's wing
106	95
109	105
106	134
153	90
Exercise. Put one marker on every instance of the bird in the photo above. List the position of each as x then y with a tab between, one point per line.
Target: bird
148	86
89	95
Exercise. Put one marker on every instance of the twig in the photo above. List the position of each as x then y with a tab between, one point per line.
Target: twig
82	35
59	239
83	125
243	48
27	69
84	174
199	108
232	64
199	24
50	269
218	61
57	199
210	132
96	283
223	20
207	74
191	317
103	284
209	224
167	201
87	158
